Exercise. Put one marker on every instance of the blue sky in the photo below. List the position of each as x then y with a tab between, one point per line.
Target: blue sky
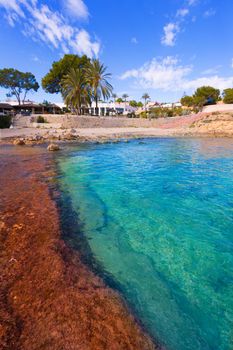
163	47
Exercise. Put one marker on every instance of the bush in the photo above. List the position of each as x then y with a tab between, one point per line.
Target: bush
206	95
41	119
228	96
187	101
5	121
143	115
165	112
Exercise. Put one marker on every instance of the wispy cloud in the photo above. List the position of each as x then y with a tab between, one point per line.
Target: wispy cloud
174	27
170	32
182	12
192	2
209	13
212	70
77	8
41	23
168	74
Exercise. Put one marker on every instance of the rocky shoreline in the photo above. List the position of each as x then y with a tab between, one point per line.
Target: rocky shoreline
49	299
201	125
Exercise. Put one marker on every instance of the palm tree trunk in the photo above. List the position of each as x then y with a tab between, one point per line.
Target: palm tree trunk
96	105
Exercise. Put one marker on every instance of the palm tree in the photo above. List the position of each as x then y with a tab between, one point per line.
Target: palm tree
145	97
74	89
114	96
97	78
125	96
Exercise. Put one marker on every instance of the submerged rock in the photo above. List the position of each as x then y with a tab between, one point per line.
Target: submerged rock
53	147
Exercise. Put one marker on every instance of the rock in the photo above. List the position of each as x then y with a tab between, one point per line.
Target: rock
53	147
19	142
69	136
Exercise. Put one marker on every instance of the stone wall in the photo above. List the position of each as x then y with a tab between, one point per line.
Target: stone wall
71	121
218	108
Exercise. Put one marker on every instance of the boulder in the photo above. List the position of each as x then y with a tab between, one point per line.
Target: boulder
53	147
19	142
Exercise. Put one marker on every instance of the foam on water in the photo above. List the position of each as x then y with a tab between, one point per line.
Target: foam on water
158	217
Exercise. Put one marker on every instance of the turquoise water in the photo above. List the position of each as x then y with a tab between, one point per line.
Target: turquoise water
158	218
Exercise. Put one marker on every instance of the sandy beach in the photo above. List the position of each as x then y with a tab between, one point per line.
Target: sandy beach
101	129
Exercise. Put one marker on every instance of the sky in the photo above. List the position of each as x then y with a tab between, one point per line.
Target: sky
162	47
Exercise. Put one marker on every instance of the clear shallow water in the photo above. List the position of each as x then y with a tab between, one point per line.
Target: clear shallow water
158	217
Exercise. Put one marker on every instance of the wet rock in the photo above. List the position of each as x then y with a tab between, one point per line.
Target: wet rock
53	147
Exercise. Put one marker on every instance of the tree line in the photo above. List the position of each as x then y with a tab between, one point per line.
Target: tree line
207	95
81	81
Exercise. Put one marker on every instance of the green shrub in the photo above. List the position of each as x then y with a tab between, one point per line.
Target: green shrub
228	96
5	121
143	115
41	119
187	101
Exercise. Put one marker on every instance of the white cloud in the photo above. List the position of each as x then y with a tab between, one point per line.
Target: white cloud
170	32
83	44
215	81
165	74
13	5
182	12
174	27
168	74
192	2
77	8
213	70
134	40
43	24
209	13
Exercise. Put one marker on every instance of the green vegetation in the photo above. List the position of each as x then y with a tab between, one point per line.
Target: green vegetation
18	83
41	119
97	79
205	95
145	97
5	121
125	97
52	80
161	112
134	103
119	100
80	80
75	90
228	96
187	101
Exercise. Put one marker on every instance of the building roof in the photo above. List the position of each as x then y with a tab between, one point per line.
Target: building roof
28	105
5	106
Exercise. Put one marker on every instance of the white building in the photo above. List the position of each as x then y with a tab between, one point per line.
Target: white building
111	108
